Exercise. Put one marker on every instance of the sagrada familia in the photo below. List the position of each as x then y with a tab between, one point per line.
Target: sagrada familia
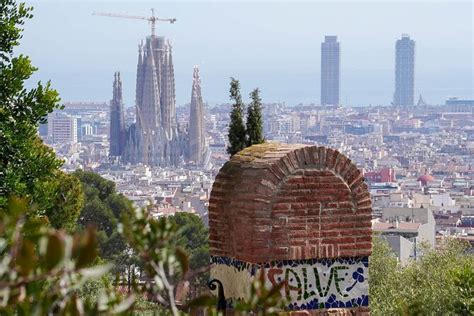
155	139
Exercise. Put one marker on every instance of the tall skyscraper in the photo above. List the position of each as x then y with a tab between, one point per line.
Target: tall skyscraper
197	136
404	71
117	120
330	71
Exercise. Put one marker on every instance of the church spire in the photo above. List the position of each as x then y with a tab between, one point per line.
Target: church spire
150	106
421	102
117	120
168	101
139	88
172	89
197	138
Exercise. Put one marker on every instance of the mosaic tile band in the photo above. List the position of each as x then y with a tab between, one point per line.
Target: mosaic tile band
311	283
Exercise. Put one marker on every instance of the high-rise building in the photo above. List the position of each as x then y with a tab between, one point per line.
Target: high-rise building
197	136
117	120
404	71
64	129
330	71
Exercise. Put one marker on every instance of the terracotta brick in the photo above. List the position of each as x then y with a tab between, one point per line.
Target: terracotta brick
290	202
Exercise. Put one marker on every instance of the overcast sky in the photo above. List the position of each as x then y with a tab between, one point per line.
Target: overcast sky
271	45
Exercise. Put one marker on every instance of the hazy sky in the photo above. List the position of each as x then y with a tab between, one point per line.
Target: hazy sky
271	45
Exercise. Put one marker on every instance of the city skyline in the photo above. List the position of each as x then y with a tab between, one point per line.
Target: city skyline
287	74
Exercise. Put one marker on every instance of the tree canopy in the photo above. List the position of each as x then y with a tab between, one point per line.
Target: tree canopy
103	208
24	161
254	119
193	237
439	283
237	133
28	168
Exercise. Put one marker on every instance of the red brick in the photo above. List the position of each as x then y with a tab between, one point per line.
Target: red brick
292	197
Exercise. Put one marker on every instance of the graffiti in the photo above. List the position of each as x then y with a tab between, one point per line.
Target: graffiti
302	286
309	284
306	282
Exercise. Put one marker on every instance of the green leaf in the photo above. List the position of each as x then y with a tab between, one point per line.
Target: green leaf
17	206
85	248
183	259
54	251
26	259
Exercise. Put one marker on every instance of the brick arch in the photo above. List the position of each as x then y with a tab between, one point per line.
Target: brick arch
276	202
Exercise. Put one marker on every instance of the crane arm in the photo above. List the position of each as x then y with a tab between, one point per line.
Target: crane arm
151	19
166	20
114	15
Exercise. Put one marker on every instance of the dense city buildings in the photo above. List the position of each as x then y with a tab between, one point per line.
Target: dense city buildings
330	71
404	71
460	105
417	160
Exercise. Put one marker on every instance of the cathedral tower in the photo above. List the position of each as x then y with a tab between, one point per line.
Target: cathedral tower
197	135
117	121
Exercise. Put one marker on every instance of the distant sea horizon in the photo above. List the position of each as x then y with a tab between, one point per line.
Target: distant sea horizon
291	89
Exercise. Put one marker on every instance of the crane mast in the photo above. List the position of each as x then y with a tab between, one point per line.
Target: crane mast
151	19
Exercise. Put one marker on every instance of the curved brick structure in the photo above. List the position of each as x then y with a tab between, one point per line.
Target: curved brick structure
276	202
303	213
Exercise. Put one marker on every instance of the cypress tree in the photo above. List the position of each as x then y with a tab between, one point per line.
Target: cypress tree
237	133
254	119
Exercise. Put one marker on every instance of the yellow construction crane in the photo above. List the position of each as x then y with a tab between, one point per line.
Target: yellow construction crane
151	19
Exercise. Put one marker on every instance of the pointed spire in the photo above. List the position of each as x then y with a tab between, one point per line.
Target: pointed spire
150	107
140	50
168	111
172	89
197	138
140	72
117	120
196	80
117	91
421	102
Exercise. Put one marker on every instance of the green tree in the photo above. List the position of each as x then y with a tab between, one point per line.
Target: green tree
193	237
439	283
463	303
42	271
254	119
384	278
25	162
103	208
154	241
28	168
66	201
237	134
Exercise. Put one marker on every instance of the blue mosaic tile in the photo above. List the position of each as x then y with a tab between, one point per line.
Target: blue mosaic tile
332	302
